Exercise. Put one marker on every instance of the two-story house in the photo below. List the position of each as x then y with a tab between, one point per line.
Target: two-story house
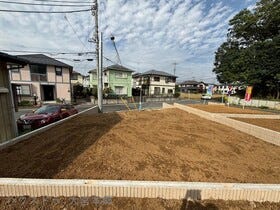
192	86
77	78
116	77
43	77
155	82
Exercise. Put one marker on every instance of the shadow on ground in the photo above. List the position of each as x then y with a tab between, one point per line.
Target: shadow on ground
192	202
50	152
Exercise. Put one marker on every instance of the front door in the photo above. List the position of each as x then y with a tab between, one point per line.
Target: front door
48	91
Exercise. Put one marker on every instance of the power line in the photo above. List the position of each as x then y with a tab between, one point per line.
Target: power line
77	60
108	59
74	31
48	52
48	12
78	2
42	4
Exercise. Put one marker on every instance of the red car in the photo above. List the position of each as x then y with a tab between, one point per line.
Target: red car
45	115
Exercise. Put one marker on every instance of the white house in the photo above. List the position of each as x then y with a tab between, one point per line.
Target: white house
155	82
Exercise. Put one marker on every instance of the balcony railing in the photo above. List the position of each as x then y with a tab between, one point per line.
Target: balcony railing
38	77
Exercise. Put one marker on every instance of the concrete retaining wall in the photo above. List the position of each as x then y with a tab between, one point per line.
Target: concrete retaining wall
253	116
267	135
256	103
167	106
139	189
40	130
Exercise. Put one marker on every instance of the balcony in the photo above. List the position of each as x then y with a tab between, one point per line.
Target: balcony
39	77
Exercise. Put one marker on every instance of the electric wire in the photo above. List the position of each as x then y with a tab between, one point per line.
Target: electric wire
42	4
48	12
65	17
78	2
49	52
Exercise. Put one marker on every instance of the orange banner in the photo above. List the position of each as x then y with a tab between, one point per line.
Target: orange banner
248	93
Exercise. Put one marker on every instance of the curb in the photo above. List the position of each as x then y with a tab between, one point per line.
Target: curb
139	189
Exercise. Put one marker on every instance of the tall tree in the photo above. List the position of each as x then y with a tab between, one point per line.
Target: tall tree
251	53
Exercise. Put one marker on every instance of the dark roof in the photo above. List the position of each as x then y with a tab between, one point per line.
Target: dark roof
12	59
190	82
118	67
92	71
135	75
158	73
75	72
43	59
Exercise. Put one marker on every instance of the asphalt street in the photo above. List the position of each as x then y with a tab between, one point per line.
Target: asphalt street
114	107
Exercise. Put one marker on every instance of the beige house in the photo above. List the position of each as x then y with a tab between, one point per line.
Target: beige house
8	127
45	78
155	82
77	78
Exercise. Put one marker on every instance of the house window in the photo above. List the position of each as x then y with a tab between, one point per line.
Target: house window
156	79
157	91
163	90
38	72
23	90
94	76
14	68
170	91
74	76
120	90
121	75
58	71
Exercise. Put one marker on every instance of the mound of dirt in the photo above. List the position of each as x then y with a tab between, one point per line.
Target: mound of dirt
164	145
95	203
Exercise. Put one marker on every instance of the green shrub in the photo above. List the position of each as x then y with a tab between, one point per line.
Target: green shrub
58	100
25	103
264	107
177	95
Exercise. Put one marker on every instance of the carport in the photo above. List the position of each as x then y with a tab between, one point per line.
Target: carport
8	127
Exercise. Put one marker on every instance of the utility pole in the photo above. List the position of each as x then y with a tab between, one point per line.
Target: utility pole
94	11
174	67
100	85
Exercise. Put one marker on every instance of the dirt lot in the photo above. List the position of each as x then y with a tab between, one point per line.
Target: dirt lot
149	145
272	124
226	109
95	203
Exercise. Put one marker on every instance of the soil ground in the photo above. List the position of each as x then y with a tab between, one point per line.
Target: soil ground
226	109
95	203
272	124
163	145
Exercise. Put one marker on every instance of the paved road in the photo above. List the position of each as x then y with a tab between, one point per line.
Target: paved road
115	107
112	107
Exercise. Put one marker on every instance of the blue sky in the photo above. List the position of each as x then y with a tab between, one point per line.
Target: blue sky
149	34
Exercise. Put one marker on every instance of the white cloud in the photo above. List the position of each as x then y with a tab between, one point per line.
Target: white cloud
149	34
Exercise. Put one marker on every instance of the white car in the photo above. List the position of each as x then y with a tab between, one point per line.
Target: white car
206	97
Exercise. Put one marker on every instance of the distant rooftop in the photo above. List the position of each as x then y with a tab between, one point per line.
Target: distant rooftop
155	72
43	59
190	82
113	67
118	67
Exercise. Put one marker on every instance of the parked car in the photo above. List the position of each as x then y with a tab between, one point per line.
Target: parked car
45	115
206	97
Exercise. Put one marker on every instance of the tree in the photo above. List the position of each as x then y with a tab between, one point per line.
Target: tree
251	53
